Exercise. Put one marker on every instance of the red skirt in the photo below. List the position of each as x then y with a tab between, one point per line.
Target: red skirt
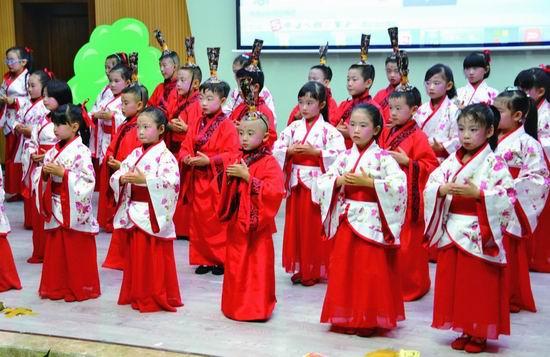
118	248
38	237
13	172
469	295
181	219
539	243
95	163
413	261
69	271
305	249
517	271
249	278
106	207
150	281
8	273
364	289
28	204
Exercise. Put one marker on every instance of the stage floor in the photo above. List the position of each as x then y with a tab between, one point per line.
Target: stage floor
200	327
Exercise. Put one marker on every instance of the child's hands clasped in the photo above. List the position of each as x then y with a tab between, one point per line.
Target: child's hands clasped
134	177
239	170
467	190
400	156
199	160
113	163
53	169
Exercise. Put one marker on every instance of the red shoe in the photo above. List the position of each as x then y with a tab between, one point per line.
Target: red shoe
460	343
310	282
514	308
366	332
34	260
342	329
476	345
296	278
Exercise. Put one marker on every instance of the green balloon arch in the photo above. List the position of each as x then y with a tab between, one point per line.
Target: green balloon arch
124	35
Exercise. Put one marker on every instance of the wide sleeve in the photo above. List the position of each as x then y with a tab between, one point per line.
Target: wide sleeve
434	203
227	146
114	181
154	100
282	144
451	143
334	146
543	132
391	193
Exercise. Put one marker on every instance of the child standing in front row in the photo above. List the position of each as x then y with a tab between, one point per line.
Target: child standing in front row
64	186
252	190
477	67
305	150
8	272
519	148
363	198
468	202
146	187
409	146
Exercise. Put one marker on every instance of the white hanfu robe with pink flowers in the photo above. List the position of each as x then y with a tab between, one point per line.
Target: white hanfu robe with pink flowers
470	95
106	128
103	98
440	125
304	249
364	289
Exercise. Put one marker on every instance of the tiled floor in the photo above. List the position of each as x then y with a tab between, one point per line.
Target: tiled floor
200	327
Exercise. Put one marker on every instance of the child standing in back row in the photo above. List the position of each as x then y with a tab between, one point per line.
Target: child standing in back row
477	68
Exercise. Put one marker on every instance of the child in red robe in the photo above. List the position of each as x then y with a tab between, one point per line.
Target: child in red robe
123	143
252	190
165	93
209	140
359	81
323	74
8	272
382	97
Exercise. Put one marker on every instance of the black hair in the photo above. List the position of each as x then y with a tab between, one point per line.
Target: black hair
245	59
256	77
173	55
327	72
447	74
157	114
412	96
43	78
119	57
373	113
68	114
366	70
318	92
478	59
24	53
139	92
391	59
59	90
125	71
221	89
196	72
486	115
517	101
534	78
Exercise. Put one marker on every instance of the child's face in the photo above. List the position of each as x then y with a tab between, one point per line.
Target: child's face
474	75
117	83
309	106
130	105
210	102
34	87
167	68
65	131
148	130
400	112
252	134
50	102
392	73
184	83
361	129
15	64
356	84
437	86
508	120
316	75
472	135
109	64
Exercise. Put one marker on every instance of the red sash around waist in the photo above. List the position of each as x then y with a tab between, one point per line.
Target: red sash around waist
463	205
140	194
107	129
306	160
360	193
56	187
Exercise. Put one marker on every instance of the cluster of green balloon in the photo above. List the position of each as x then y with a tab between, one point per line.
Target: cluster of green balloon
124	35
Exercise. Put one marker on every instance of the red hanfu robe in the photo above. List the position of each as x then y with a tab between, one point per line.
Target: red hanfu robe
250	208
364	289
215	136
145	218
15	87
124	142
539	245
332	109
345	108
8	272
525	160
240	111
186	108
164	95
413	256
471	288
70	270
382	97
306	252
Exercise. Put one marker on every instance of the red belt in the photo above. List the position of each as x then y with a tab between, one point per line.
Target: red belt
463	205
306	160
357	193
56	187
140	194
107	129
